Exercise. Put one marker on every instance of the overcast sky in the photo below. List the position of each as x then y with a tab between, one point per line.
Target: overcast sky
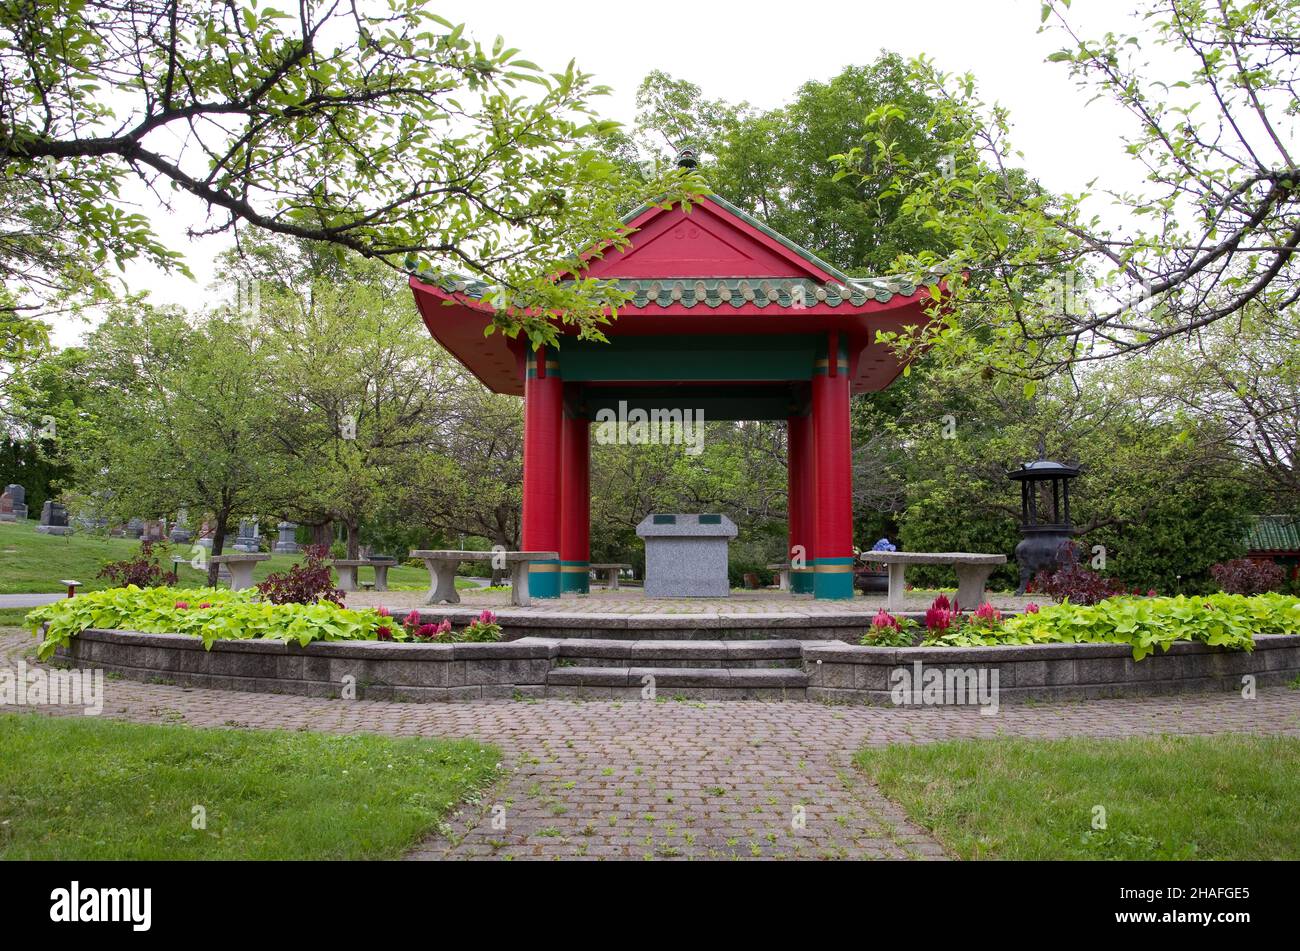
760	51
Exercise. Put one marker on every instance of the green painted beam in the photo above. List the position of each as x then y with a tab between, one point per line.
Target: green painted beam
685	358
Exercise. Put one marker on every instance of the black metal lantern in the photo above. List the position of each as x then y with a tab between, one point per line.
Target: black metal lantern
1044	523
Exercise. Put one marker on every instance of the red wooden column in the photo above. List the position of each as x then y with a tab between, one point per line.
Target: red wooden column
575	499
833	531
799	445
543	421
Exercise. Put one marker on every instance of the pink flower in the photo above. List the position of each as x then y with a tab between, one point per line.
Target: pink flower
987	612
1151	593
444	627
206	604
411	620
382	611
938	619
487	617
427	630
1031	608
884	619
941	603
384	632
182	605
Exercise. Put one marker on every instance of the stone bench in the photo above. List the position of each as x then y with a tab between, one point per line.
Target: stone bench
782	571
240	567
973	570
442	567
347	569
611	570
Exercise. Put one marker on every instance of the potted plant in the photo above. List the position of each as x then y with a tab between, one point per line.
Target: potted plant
873	578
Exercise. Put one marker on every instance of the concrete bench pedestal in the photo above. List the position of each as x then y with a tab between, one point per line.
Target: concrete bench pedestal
973	570
611	571
240	568
442	567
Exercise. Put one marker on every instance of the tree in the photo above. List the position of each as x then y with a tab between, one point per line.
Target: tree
356	383
382	130
177	417
1215	145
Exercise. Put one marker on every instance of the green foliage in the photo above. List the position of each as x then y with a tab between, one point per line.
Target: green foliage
210	613
1045	283
216	614
380	129
1218	620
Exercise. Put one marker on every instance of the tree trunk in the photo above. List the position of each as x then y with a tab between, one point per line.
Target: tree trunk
354	538
218	545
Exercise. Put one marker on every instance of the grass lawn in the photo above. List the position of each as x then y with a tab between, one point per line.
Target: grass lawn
1165	797
83	788
31	562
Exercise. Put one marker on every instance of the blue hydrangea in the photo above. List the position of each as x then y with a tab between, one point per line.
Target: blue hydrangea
884	544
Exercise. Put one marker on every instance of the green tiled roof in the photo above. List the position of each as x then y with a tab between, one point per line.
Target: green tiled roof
715	292
1275	533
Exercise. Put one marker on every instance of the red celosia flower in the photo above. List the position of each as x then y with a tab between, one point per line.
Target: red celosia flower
411	620
382	611
1151	593
942	603
427	630
884	619
987	612
487	617
1031	608
938	619
206	604
182	605
443	628
384	632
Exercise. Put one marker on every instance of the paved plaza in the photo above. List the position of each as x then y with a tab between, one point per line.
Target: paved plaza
682	779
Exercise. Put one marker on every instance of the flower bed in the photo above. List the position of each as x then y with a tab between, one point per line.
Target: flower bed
219	614
1230	621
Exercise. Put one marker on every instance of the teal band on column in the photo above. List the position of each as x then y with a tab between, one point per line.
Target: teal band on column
575	576
801	581
544	579
832	578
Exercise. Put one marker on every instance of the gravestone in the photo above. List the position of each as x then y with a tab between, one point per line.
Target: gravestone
152	531
13	503
180	533
248	539
134	528
286	544
54	520
686	555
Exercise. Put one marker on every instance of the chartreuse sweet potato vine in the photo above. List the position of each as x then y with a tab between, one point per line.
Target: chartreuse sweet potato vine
1220	620
214	614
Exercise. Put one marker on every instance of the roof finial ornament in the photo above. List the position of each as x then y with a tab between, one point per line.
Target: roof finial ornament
686	158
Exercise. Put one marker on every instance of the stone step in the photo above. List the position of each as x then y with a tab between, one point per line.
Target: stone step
669	683
598	652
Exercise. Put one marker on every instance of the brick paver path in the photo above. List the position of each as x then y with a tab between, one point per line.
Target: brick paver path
683	779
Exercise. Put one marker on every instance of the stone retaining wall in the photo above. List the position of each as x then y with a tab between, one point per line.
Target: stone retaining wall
831	671
846	673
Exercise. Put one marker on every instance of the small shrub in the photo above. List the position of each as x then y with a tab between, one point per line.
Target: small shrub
1072	580
889	631
143	570
483	629
306	583
1246	576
